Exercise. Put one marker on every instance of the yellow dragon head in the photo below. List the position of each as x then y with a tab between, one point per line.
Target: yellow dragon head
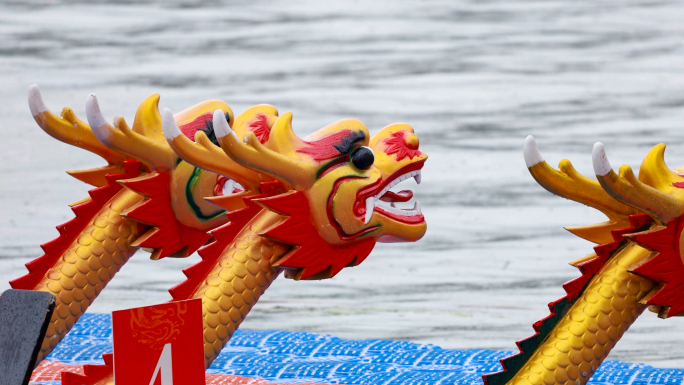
657	192
173	212
336	201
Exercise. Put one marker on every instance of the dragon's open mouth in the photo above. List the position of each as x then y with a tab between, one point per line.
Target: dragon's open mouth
382	200
227	186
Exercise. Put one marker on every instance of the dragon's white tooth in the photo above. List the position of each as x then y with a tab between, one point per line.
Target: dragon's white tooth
97	122
228	187
417	208
169	125
600	160
370	205
221	127
417	177
531	152
35	100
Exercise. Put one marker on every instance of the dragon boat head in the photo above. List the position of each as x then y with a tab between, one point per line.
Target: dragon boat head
174	211
337	200
656	196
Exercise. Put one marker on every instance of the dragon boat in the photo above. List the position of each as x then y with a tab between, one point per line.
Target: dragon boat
254	200
244	191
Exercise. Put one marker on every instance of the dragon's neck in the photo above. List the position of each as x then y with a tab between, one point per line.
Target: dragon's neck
238	278
584	326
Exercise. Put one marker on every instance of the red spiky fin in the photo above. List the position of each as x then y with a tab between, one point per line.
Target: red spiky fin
665	267
93	374
574	289
311	255
167	235
84	211
223	237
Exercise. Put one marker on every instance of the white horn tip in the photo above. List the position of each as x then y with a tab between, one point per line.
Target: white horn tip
221	127
96	121
531	152
600	160
169	125
36	101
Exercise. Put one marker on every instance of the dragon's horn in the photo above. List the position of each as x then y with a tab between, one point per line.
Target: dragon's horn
154	154
626	188
570	184
254	155
69	129
204	154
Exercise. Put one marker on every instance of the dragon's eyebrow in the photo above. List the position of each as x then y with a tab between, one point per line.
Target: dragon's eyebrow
347	141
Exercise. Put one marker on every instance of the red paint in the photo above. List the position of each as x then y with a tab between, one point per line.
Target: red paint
310	251
141	335
189	129
401	196
259	126
324	148
223	237
168	235
70	230
88	374
666	267
396	144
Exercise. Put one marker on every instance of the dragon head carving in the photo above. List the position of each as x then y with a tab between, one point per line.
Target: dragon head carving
337	201
657	192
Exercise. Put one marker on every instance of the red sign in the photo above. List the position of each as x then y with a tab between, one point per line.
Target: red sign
159	345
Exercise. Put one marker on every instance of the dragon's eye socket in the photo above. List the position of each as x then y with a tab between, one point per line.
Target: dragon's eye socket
363	158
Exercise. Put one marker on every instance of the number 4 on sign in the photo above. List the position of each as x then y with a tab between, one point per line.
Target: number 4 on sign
165	366
157	345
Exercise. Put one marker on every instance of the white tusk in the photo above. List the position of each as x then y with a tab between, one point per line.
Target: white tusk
96	121
169	125
370	205
221	127
228	187
600	160
417	208
417	177
35	100
531	152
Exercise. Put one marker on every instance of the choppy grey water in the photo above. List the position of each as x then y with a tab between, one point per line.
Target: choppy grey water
473	78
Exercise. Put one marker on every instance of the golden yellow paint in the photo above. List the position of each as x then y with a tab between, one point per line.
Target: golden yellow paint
87	265
588	332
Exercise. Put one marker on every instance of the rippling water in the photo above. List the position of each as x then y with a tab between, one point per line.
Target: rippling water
473	78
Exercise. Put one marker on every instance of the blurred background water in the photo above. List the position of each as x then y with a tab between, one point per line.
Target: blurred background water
472	77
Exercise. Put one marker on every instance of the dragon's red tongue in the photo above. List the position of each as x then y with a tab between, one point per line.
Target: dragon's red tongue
401	196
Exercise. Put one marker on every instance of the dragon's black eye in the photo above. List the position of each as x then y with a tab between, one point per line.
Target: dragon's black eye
363	158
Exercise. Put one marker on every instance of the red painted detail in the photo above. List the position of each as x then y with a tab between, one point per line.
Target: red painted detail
666	267
324	148
310	251
396	144
574	288
259	126
168	334
167	235
223	237
679	184
189	129
410	220
377	186
91	373
401	196
331	216
339	162
69	231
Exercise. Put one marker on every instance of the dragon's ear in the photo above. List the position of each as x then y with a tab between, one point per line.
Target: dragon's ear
626	188
254	155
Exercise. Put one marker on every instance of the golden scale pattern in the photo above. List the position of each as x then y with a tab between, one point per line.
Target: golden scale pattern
86	267
586	334
242	274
